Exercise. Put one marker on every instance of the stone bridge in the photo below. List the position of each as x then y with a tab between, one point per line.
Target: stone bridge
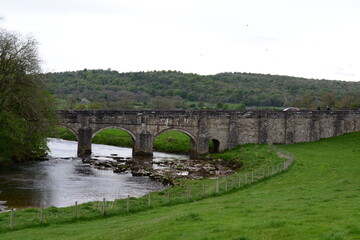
227	129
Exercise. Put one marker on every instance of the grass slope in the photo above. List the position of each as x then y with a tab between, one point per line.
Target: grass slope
317	199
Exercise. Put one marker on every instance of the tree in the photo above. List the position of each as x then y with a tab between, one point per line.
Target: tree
162	103
26	115
348	101
307	100
328	99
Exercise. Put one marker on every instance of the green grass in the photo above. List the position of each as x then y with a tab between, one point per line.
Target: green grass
170	141
173	142
318	198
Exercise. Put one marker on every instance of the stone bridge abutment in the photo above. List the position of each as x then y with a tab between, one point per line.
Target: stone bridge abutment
227	129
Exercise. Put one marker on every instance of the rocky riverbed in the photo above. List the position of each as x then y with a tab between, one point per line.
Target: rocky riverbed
167	171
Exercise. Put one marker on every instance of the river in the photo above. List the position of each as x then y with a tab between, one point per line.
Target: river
64	178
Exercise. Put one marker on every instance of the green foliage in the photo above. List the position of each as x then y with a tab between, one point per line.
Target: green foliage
171	89
26	115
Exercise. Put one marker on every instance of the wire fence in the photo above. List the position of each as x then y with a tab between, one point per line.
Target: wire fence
189	191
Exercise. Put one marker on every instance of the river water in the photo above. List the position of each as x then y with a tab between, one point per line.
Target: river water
64	178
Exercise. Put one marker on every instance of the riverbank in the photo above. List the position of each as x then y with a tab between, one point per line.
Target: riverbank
317	199
170	142
183	191
245	158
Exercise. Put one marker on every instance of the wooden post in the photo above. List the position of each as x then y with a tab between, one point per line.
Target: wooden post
104	207
128	204
217	186
246	179
239	181
226	184
42	215
187	193
12	219
168	193
203	190
76	210
149	199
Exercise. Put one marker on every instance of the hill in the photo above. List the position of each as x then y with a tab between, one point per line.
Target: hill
172	89
316	199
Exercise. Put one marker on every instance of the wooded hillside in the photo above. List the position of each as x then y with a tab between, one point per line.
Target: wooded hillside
172	89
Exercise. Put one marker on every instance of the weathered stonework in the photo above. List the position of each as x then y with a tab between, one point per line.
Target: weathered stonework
229	128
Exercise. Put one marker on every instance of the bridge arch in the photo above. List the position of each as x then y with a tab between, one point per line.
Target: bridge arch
116	127
214	145
192	138
70	129
193	142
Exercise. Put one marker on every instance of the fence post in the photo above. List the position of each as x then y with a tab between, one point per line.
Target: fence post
217	186
42	215
168	193
252	177
104	207
226	184
203	190
12	219
232	183
76	210
128	204
149	199
187	193
239	181
246	179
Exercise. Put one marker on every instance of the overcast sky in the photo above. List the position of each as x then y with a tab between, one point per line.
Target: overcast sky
306	38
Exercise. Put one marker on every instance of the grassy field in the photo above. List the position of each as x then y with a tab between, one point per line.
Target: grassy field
318	198
170	141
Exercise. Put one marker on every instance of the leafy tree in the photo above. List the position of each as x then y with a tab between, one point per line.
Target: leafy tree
162	103
307	100
94	105
347	101
200	105
328	99
219	105
25	108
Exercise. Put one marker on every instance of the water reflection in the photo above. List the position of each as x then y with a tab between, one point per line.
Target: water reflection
60	182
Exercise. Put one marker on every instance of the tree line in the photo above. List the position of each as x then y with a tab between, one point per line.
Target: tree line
110	89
